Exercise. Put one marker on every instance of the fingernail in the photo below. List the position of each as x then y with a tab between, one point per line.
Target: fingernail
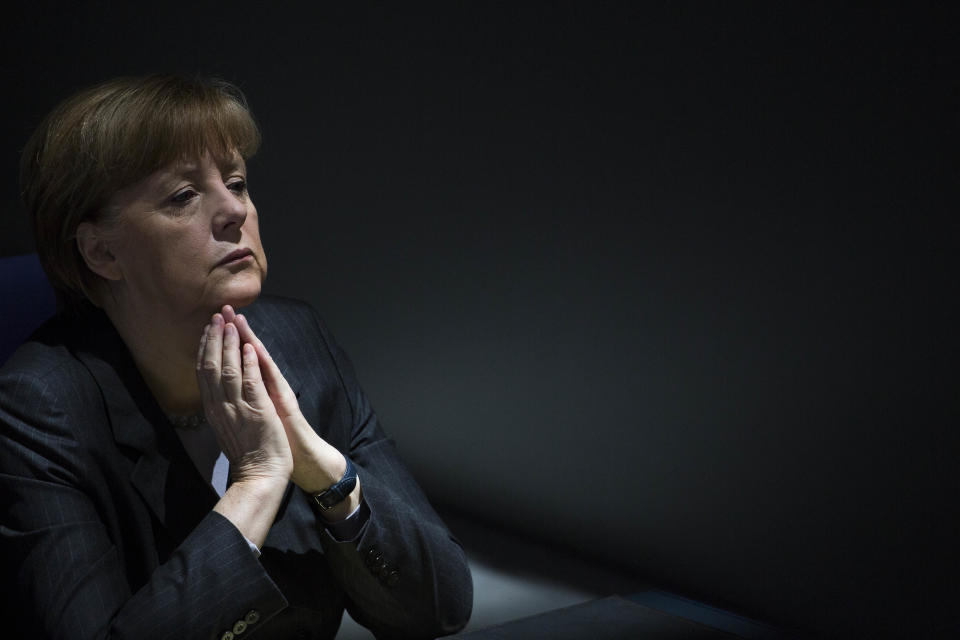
217	319
230	329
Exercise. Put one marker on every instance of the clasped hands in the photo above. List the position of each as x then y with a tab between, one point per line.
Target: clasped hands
255	414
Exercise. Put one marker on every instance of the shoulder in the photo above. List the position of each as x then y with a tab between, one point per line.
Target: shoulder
287	319
45	362
46	395
270	307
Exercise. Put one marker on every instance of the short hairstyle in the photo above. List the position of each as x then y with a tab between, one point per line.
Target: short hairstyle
111	136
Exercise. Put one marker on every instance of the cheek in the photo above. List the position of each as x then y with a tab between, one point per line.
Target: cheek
252	229
177	251
252	222
146	247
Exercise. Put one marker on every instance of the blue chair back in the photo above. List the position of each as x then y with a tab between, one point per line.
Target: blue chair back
26	300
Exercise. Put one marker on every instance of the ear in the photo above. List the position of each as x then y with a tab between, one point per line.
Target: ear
93	246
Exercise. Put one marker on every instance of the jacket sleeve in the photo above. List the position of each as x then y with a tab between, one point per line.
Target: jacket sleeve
406	576
70	576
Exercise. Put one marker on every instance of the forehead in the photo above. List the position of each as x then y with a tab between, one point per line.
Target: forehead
193	168
202	164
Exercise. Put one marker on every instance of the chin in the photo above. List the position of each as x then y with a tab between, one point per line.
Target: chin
244	301
238	290
240	296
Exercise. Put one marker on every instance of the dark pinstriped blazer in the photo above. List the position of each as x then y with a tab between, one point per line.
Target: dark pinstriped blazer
106	527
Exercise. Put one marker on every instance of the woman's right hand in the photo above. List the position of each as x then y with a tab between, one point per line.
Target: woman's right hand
239	409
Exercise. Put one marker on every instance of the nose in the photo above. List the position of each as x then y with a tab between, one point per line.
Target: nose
230	212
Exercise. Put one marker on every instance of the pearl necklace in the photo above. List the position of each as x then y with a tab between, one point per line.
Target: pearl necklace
192	422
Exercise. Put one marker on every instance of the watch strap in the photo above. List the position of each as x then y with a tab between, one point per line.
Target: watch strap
338	492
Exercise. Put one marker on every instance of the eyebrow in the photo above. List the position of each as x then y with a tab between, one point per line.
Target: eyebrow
189	169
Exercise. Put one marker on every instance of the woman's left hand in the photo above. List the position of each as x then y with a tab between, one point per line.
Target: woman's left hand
316	464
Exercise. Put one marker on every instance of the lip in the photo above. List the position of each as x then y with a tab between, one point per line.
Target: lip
234	256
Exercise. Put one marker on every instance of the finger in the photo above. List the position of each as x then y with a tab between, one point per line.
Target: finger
228	313
276	385
210	360
205	396
246	332
272	376
266	360
253	390
231	373
208	369
203	343
280	392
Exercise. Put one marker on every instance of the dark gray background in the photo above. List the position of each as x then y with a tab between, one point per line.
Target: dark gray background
666	284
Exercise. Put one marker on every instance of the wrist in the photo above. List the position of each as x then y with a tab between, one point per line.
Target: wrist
323	474
340	511
318	466
259	487
251	505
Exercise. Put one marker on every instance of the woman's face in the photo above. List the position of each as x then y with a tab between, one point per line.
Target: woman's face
187	240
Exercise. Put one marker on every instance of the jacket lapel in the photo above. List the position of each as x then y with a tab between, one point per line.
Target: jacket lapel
162	472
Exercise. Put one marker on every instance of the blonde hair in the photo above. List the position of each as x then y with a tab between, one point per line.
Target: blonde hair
111	136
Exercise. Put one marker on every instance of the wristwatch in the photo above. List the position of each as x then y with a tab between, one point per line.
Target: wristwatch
337	493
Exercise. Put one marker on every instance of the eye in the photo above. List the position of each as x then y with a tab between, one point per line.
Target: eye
183	197
239	187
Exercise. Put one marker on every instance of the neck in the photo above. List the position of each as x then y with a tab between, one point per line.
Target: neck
164	349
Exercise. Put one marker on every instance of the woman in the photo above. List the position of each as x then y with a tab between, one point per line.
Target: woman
170	467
